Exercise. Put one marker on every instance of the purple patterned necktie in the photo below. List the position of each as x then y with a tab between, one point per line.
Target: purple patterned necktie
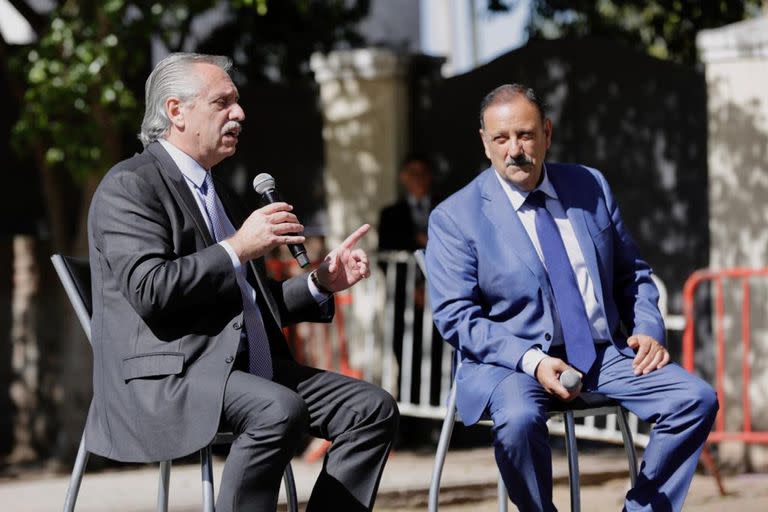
577	334
259	358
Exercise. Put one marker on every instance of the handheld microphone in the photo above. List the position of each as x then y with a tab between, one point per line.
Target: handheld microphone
264	185
570	379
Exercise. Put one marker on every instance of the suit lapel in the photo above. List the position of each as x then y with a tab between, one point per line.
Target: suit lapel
572	203
180	189
497	208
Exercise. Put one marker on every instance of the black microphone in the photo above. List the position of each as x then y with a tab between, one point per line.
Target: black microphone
264	185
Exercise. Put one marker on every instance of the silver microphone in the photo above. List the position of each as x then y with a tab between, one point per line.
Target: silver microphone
570	379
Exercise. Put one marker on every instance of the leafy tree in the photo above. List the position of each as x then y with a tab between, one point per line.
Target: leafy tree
663	28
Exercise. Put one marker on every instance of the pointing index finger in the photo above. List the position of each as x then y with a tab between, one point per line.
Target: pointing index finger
352	239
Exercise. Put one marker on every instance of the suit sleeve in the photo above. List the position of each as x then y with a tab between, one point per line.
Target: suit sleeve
634	292
295	302
456	299
135	234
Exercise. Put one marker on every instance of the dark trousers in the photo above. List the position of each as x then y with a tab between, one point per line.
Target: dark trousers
271	418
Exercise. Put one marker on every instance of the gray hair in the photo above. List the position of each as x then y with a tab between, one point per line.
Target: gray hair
172	76
508	92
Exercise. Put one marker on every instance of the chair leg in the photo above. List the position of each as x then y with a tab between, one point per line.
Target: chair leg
711	465
77	476
571	452
290	489
442	450
629	444
162	486
501	491
206	467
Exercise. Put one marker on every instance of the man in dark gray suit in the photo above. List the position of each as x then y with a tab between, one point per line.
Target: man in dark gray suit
187	327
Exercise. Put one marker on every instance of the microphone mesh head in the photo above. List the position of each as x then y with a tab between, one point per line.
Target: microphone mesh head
570	379
263	183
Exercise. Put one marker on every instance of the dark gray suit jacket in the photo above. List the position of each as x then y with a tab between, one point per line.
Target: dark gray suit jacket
167	312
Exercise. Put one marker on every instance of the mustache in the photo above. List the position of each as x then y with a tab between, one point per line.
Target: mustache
232	126
518	161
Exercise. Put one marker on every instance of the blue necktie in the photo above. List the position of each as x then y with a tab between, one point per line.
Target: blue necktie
259	358
577	334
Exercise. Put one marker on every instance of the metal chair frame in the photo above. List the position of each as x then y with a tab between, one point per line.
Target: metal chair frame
74	275
588	404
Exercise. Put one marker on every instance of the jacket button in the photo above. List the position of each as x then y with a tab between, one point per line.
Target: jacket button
237	325
229	359
547	336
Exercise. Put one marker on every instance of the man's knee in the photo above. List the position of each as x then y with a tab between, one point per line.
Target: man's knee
292	416
285	417
705	400
512	426
385	410
389	411
697	400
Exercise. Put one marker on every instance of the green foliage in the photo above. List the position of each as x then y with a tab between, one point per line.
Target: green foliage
663	28
84	77
77	99
273	39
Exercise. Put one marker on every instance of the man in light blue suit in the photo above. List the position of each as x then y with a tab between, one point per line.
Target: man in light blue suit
533	272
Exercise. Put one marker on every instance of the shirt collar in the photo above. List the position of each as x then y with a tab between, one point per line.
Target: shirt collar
188	166
517	197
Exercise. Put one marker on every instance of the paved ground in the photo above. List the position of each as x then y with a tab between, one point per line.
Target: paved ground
747	493
468	485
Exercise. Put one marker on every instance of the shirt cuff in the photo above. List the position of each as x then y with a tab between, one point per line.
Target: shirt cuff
531	360
319	296
232	256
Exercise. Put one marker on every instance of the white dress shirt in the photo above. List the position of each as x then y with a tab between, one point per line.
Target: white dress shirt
527	215
419	211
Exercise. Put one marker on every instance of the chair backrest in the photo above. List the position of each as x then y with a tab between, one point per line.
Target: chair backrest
75	276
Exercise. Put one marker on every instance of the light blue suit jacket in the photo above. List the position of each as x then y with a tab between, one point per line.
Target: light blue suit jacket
490	293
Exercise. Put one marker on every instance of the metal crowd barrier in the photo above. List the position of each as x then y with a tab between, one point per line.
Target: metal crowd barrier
743	430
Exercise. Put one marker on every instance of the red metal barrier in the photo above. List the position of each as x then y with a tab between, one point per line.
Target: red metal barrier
720	432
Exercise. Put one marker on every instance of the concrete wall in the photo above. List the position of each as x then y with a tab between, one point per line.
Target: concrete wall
364	100
736	59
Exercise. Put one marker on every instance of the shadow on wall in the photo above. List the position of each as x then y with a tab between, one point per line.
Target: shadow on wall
739	211
641	121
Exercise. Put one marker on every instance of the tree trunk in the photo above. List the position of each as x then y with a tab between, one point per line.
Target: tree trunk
25	354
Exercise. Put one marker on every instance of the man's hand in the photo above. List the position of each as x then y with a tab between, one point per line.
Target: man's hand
548	374
265	229
344	266
651	355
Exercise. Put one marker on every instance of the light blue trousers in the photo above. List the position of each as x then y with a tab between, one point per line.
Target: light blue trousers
681	406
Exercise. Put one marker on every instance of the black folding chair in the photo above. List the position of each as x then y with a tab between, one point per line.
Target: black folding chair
586	404
75	276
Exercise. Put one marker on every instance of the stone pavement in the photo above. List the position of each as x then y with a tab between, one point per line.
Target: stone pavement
469	480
